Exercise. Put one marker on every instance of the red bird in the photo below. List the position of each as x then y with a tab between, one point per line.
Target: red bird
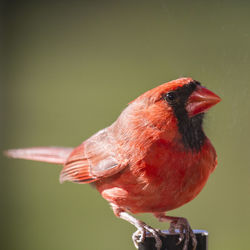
154	158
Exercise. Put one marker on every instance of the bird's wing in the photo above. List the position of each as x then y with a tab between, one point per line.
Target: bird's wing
93	159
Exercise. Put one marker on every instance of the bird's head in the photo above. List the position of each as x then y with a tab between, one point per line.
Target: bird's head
183	95
180	103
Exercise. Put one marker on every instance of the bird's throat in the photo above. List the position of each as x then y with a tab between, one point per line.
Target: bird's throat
191	131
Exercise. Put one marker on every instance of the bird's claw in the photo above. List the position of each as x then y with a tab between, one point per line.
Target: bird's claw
185	231
140	235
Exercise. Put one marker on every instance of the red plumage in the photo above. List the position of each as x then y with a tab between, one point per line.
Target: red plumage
154	158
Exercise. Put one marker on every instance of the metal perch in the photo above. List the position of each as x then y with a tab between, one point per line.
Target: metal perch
169	242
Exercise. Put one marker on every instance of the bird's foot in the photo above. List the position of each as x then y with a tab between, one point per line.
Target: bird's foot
142	229
140	235
185	231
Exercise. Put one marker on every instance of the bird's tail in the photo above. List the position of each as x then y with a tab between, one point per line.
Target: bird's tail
56	155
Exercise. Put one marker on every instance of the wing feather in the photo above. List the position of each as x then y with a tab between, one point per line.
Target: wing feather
93	159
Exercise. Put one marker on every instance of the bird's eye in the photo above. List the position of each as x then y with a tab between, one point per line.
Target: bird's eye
170	96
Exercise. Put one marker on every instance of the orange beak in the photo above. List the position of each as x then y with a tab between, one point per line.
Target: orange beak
201	100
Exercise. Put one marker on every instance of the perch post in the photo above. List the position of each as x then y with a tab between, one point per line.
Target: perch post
169	242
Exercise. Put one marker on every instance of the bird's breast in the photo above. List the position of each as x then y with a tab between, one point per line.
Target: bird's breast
164	179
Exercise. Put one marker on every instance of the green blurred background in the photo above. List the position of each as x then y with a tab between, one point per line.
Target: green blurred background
70	67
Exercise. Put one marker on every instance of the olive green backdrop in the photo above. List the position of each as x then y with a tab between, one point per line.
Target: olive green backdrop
70	67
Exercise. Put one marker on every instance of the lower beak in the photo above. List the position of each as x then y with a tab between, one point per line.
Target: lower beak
201	100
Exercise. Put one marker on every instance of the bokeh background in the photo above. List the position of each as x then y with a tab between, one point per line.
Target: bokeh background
68	68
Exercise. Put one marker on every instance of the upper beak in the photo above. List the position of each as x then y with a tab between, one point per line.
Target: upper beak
201	100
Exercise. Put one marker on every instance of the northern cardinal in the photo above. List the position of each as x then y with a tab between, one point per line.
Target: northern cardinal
154	158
